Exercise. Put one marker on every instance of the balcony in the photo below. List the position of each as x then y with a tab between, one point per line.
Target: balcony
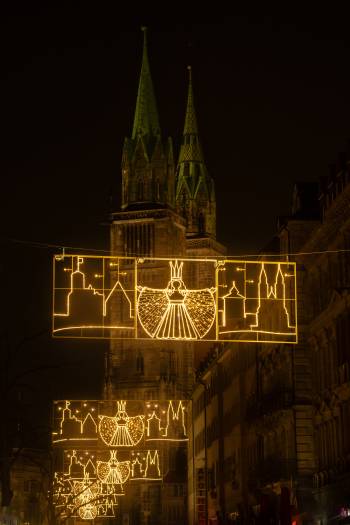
277	399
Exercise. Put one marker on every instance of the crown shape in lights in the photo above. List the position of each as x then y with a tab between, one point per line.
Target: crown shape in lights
105	452
228	300
176	269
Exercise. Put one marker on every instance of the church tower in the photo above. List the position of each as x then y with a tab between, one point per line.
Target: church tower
195	194
147	162
148	225
195	190
161	216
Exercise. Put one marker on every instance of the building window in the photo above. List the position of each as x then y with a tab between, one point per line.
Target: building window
157	190
140	190
343	337
139	240
140	364
201	223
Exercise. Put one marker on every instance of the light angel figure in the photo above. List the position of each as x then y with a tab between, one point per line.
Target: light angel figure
176	312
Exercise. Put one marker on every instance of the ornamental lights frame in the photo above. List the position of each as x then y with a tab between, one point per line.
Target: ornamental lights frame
102	446
174	299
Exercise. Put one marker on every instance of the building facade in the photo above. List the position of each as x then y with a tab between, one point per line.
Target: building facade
30	503
271	422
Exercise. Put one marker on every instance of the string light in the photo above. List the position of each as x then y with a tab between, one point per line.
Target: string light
176	312
248	301
95	474
79	490
121	430
113	472
264	305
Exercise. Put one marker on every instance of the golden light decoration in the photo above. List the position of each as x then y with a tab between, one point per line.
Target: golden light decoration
113	443
268	314
113	472
150	421
121	430
174	428
110	297
77	491
176	312
86	496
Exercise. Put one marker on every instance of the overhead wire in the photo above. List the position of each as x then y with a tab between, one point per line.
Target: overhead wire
64	248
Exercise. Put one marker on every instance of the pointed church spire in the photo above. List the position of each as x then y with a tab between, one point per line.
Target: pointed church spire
191	149
191	127
146	121
148	170
195	195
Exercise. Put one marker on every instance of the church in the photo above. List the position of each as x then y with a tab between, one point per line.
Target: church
168	210
234	433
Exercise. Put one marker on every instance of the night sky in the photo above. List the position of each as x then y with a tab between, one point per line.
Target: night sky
273	106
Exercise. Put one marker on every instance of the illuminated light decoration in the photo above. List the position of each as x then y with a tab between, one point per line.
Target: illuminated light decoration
176	418
269	311
121	430
78	286
79	491
73	428
146	466
86	496
132	423
152	469
89	421
233	292
77	280
76	468
271	292
175	427
95	475
113	472
136	469
68	418
176	312
245	301
96	495
153	425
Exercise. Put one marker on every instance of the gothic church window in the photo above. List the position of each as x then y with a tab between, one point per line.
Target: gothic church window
140	190
201	223
157	189
125	189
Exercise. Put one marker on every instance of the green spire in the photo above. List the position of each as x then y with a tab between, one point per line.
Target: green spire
195	197
191	127
190	149
146	121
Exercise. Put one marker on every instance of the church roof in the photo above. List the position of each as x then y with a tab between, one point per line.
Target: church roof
191	148
192	173
146	121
